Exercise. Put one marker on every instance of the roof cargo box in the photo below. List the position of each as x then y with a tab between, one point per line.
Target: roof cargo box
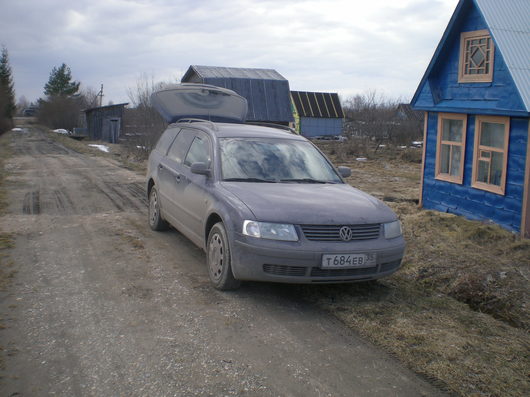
201	101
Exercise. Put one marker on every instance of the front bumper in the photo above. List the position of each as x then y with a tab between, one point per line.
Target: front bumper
300	262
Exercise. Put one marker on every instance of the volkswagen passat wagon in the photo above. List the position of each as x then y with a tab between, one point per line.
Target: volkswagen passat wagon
265	204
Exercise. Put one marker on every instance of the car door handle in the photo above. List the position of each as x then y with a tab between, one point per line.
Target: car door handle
177	178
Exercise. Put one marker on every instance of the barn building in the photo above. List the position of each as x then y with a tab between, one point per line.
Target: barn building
476	97
105	123
266	91
317	113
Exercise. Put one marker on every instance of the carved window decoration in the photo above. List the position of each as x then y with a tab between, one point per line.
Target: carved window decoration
476	57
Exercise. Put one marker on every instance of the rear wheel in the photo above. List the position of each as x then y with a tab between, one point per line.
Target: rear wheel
155	218
219	259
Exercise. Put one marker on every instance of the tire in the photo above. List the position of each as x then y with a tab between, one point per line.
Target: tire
156	222
218	259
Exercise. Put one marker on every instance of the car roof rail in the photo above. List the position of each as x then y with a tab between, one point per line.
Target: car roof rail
278	126
190	120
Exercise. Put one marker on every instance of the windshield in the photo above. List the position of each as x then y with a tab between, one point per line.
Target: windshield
274	160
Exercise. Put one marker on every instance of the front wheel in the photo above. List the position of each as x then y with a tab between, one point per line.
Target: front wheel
156	222
219	259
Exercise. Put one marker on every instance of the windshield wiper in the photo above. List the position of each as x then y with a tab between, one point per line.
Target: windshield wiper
305	180
249	180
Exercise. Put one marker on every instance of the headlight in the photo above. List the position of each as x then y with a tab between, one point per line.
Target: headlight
271	231
392	229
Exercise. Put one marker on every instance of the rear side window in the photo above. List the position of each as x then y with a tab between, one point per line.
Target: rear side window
199	152
180	146
166	139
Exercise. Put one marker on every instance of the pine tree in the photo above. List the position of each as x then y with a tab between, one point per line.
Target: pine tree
60	83
7	90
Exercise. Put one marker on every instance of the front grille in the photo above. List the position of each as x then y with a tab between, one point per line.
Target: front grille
282	270
332	232
318	272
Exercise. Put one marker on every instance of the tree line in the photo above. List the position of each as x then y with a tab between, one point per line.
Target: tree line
7	93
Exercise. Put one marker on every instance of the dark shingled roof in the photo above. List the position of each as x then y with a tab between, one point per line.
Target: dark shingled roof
317	104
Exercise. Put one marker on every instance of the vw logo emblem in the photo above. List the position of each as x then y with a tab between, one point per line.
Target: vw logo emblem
345	233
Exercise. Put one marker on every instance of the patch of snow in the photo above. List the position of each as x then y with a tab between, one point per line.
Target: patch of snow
17	129
103	148
361	159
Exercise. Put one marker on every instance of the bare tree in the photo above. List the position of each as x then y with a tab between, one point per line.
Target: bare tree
22	104
60	112
143	124
375	116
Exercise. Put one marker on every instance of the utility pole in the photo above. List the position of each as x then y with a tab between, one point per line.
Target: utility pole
100	95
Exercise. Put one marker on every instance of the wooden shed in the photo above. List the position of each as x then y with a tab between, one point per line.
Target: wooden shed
105	123
266	91
317	113
476	98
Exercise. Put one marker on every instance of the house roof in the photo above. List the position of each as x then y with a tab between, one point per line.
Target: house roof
266	90
207	72
317	104
106	107
507	21
509	24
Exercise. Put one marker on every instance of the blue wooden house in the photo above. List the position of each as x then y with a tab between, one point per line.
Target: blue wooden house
476	98
317	113
266	90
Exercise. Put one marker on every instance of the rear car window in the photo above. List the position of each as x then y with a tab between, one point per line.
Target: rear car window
180	146
166	139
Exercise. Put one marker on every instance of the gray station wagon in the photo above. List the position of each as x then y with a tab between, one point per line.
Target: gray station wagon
264	203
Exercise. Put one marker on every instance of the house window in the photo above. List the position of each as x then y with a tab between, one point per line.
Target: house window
450	147
476	57
491	153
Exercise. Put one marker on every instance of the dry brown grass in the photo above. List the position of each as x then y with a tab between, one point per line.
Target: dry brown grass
457	311
127	158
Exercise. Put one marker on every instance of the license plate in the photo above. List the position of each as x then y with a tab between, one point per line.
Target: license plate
345	261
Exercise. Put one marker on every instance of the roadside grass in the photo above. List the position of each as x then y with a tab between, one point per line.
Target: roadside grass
126	157
7	271
458	310
6	238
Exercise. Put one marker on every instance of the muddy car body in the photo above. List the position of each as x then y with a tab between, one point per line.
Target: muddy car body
265	204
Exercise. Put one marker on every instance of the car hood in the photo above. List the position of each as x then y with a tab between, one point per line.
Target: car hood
302	203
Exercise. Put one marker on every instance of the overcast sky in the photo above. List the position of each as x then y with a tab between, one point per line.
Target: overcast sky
344	46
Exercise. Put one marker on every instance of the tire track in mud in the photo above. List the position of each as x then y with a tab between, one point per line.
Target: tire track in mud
90	185
31	203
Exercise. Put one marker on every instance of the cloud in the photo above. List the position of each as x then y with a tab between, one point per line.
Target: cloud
336	45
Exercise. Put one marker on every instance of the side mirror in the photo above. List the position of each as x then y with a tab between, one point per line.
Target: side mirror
200	169
345	172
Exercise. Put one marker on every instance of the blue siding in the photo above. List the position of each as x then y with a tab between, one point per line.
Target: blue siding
442	92
475	203
316	126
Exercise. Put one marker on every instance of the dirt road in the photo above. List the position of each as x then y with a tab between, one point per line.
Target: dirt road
103	306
